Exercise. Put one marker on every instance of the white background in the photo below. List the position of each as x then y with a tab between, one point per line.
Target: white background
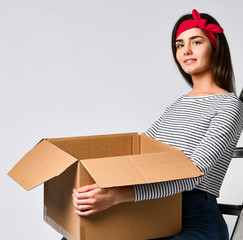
73	68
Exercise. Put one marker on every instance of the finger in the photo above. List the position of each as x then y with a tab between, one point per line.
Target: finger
75	191
80	196
85	201
90	202
85	213
87	188
82	207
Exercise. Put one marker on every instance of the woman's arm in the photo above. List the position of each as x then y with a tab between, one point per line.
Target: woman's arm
220	138
91	199
222	134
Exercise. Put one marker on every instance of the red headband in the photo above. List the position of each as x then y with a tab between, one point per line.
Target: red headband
197	21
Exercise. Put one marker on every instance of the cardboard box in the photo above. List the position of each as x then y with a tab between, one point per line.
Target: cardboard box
111	161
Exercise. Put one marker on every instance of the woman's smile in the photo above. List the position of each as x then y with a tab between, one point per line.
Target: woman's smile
190	61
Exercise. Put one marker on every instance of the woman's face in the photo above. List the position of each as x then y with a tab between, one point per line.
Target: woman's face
194	52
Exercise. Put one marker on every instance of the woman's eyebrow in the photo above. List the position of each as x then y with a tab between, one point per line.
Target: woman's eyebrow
191	38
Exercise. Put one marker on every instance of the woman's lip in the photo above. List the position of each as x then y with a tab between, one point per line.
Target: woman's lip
189	61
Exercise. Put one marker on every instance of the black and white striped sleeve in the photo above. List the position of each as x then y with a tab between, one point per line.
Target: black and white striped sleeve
216	145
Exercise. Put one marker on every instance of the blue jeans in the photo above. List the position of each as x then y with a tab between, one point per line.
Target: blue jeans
201	219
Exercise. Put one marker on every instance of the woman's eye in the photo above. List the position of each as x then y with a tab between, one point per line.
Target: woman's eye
179	46
196	42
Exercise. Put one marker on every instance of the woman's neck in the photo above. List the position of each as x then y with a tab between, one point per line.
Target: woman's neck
204	85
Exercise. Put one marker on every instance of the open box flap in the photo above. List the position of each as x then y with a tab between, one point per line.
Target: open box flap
40	164
141	169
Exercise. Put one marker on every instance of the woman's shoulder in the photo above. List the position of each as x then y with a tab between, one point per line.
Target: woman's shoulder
219	100
231	104
231	98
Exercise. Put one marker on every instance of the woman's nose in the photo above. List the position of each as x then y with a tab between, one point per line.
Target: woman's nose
187	50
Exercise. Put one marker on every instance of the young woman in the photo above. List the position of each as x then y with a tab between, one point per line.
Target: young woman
205	123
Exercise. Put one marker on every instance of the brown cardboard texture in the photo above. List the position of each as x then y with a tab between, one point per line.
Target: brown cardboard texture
111	161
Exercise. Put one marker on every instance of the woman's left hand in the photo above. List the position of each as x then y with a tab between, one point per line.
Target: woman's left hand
91	199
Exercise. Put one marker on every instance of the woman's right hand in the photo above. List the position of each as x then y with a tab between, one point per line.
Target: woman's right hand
91	199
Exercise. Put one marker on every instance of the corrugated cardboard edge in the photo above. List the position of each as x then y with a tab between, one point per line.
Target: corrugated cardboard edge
90	137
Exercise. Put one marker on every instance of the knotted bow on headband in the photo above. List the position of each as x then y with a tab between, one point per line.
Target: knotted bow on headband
197	21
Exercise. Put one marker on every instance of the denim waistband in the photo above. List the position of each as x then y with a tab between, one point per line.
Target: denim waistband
195	192
198	199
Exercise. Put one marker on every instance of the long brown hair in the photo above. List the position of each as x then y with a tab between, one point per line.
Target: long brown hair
221	67
241	95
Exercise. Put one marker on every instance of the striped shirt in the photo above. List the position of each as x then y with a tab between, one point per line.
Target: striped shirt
207	130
